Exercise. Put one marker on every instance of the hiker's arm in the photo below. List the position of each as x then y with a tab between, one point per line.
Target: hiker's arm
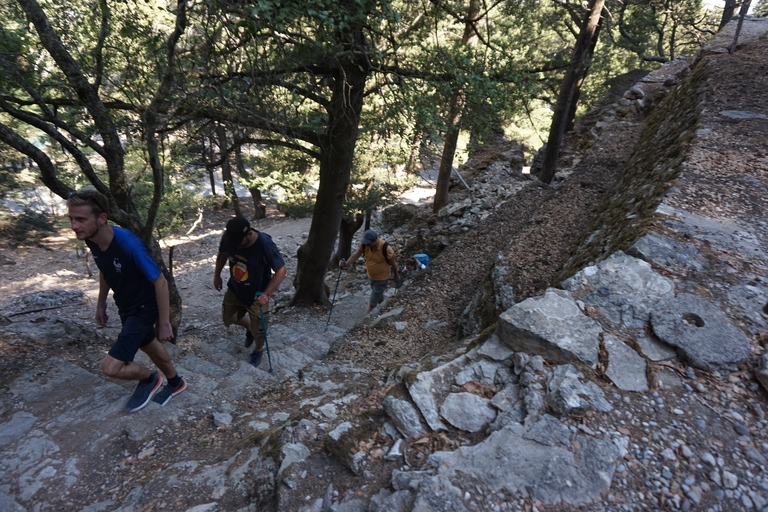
393	265
221	259
274	284
101	303
352	259
165	331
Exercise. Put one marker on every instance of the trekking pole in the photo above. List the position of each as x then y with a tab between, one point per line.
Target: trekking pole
334	296
264	329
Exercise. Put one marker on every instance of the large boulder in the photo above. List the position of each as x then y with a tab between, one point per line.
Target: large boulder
551	325
701	332
622	288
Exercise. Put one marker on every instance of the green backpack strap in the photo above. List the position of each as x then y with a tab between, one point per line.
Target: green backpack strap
384	251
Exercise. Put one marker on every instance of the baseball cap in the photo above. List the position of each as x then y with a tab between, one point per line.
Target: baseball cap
237	228
369	236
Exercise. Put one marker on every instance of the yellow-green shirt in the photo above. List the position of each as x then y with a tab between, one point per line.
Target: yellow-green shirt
375	264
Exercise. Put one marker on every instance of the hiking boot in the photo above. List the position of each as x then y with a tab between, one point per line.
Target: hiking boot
256	358
248	338
143	393
168	392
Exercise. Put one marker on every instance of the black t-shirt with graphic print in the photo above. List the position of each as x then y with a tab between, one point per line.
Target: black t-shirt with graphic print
251	268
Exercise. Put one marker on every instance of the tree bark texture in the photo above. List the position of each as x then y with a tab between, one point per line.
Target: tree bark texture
337	152
446	162
571	119
742	13
728	10
567	90
346	238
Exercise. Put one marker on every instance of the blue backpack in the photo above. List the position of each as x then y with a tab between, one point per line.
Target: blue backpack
422	258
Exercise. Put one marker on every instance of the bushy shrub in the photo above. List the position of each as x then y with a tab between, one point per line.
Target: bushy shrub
26	228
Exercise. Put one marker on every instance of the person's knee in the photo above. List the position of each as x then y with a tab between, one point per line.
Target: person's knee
111	367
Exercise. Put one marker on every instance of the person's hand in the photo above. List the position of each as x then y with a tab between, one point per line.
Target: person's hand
101	316
262	299
397	277
217	282
165	331
342	263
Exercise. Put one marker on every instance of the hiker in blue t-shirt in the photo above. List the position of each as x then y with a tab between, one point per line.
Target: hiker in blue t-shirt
141	294
253	257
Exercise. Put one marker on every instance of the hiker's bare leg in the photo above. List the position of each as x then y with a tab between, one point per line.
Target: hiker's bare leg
244	322
123	370
159	355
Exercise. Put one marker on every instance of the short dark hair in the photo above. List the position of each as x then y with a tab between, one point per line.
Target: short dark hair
89	196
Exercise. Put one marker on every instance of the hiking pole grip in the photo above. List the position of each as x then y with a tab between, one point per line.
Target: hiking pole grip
264	330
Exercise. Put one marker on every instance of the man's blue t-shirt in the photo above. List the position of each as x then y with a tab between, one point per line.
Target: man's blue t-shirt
250	268
128	269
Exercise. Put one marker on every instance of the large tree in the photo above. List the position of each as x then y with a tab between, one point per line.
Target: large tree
570	86
69	94
294	73
469	37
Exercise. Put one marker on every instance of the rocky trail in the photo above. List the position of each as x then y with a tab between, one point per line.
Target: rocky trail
595	344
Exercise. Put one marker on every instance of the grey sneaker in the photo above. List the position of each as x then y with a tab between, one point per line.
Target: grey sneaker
168	392
256	358
143	393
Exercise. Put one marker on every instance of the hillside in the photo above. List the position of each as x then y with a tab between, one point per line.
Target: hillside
372	416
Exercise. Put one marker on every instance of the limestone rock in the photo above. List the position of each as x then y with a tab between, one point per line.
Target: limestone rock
552	326
626	368
467	411
623	288
567	393
404	415
698	328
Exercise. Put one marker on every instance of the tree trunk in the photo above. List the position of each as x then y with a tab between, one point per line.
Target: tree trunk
567	90
337	153
226	171
209	167
454	116
728	10
446	162
259	208
744	9
571	120
346	237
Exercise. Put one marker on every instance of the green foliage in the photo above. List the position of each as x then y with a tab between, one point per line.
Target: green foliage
660	28
273	66
285	174
761	8
375	179
27	228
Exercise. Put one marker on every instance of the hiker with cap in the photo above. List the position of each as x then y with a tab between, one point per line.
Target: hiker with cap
253	258
140	292
379	258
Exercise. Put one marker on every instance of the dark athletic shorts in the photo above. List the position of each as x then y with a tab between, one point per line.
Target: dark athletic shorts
138	331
